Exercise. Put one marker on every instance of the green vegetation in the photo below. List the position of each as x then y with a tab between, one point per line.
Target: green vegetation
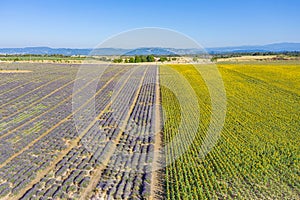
142	58
135	59
257	155
163	59
118	60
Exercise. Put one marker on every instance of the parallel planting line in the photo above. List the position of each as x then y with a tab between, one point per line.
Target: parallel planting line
23	84
31	91
47	111
12	89
55	126
269	84
72	144
38	101
41	99
97	175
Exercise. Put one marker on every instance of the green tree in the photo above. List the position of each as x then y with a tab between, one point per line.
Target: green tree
137	59
131	60
144	59
118	60
163	59
150	58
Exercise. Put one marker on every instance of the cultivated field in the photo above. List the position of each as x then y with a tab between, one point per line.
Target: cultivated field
257	155
113	144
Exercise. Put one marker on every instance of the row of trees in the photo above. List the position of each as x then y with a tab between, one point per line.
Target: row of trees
135	59
140	59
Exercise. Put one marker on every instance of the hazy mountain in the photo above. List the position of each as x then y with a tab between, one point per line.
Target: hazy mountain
44	51
277	47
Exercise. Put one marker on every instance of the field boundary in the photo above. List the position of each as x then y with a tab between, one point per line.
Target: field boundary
156	188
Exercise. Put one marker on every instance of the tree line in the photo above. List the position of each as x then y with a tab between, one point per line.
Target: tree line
140	59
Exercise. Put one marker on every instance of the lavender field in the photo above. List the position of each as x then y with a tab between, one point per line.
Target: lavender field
48	154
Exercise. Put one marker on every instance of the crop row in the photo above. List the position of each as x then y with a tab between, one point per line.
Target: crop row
46	102
73	173
128	173
52	138
257	146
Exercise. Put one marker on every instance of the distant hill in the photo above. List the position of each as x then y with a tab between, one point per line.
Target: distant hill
45	51
277	47
100	51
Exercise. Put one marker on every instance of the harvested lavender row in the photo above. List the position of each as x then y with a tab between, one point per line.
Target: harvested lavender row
73	173
67	142
59	97
128	174
38	156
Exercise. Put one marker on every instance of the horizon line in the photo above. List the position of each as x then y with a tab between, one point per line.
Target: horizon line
211	47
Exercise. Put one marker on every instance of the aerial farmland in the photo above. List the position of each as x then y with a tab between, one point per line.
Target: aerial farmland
117	143
149	100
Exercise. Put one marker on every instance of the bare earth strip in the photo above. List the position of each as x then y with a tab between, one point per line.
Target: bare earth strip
157	179
97	175
14	71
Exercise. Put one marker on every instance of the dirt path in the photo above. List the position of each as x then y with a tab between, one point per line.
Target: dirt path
14	71
156	179
87	193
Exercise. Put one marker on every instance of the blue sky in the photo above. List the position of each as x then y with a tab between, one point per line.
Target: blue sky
212	23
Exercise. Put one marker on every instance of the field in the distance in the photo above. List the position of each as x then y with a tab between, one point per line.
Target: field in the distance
43	156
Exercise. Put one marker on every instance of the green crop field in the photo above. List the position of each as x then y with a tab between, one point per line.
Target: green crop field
257	154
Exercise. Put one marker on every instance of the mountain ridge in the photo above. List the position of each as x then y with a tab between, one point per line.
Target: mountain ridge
275	47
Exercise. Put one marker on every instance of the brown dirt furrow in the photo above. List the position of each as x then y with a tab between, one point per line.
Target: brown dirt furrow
157	179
